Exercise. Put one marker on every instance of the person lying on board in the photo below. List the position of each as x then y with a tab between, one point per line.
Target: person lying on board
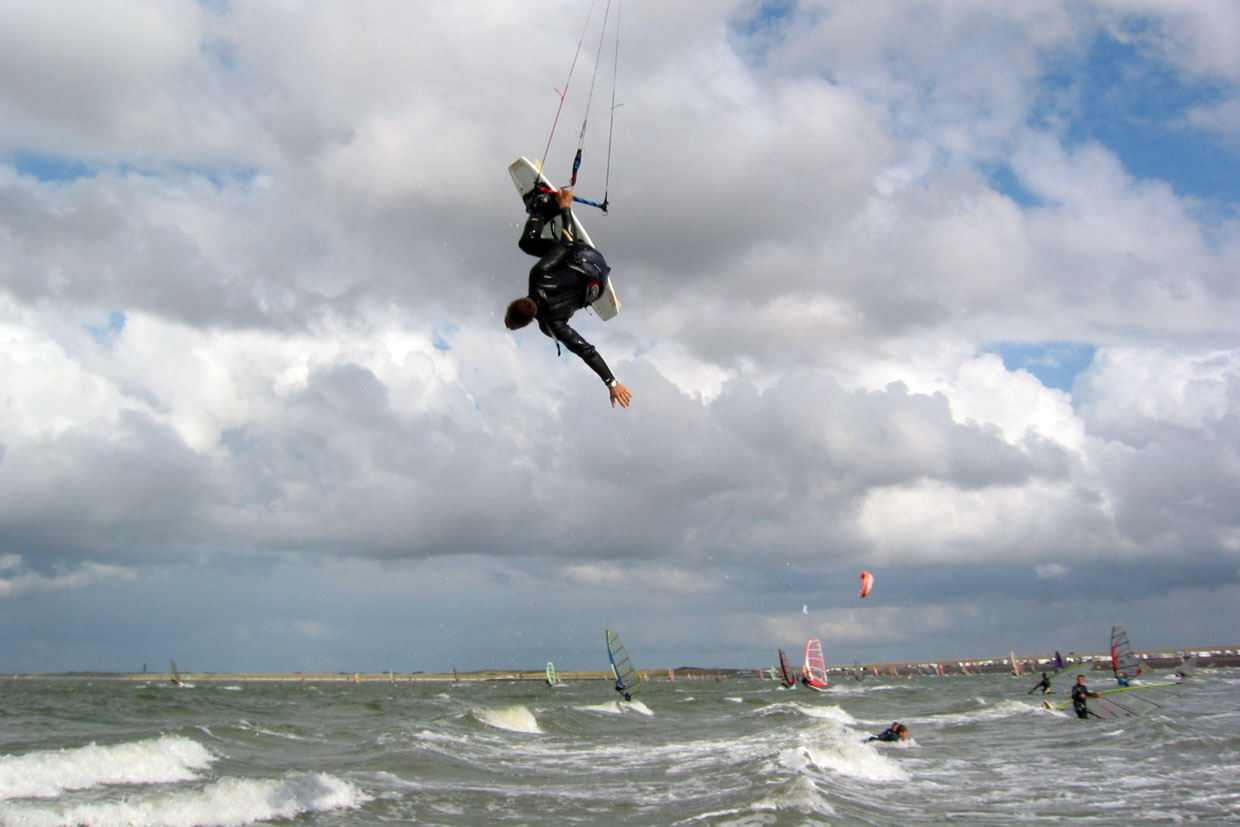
1044	685
1080	698
895	732
567	277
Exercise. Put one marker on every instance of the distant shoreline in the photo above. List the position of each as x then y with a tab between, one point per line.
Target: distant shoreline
1158	659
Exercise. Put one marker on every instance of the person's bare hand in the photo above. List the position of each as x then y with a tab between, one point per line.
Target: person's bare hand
620	394
564	197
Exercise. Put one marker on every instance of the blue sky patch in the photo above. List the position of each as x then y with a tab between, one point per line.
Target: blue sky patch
105	334
1003	179
439	337
1055	364
50	167
1139	108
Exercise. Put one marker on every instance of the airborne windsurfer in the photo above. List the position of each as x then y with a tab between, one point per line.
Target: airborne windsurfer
567	277
1080	698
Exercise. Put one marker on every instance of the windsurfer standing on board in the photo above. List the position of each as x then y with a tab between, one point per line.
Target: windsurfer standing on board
623	690
1080	698
567	277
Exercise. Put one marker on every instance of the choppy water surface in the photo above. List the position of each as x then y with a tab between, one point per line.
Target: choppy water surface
112	752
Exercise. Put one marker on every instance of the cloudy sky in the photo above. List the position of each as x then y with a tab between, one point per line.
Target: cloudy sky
944	291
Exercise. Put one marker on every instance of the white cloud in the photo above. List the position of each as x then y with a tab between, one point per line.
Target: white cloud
302	213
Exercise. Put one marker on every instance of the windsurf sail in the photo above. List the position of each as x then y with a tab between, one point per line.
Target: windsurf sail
176	676
1124	661
1016	668
786	675
627	679
814	672
552	680
1129	701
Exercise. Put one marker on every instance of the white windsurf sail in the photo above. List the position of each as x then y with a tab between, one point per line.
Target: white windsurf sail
814	672
627	679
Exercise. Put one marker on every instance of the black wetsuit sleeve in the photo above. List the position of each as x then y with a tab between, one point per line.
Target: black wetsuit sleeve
572	340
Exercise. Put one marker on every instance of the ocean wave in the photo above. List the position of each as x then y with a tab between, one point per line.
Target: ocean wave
845	757
618	708
229	801
48	773
515	718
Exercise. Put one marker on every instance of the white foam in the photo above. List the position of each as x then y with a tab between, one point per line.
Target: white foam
229	801
826	713
801	794
845	757
618	708
48	773
515	718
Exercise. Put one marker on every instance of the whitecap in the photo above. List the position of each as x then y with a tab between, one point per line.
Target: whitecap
515	718
229	801
48	773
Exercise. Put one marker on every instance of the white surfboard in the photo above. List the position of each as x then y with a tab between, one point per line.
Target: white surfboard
525	176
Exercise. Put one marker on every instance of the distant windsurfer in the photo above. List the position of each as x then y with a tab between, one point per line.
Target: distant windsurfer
623	690
895	732
569	275
1122	678
1044	685
1080	698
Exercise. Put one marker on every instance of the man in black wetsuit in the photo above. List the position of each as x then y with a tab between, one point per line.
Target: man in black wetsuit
567	277
1044	685
895	732
1080	698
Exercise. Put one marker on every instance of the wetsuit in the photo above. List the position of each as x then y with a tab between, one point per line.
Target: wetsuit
1080	694
1044	685
567	277
888	734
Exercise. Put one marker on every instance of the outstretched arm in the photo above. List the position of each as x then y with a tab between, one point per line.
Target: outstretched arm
572	340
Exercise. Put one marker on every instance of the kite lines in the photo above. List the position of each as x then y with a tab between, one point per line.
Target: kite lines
614	22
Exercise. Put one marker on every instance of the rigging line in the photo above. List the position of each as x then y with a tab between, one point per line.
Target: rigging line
581	136
611	124
564	94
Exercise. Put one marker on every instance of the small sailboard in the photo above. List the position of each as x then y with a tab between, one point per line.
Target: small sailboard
526	176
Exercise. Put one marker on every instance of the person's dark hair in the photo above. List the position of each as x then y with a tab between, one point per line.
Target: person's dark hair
520	313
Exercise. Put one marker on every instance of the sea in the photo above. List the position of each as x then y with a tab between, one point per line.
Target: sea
736	751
